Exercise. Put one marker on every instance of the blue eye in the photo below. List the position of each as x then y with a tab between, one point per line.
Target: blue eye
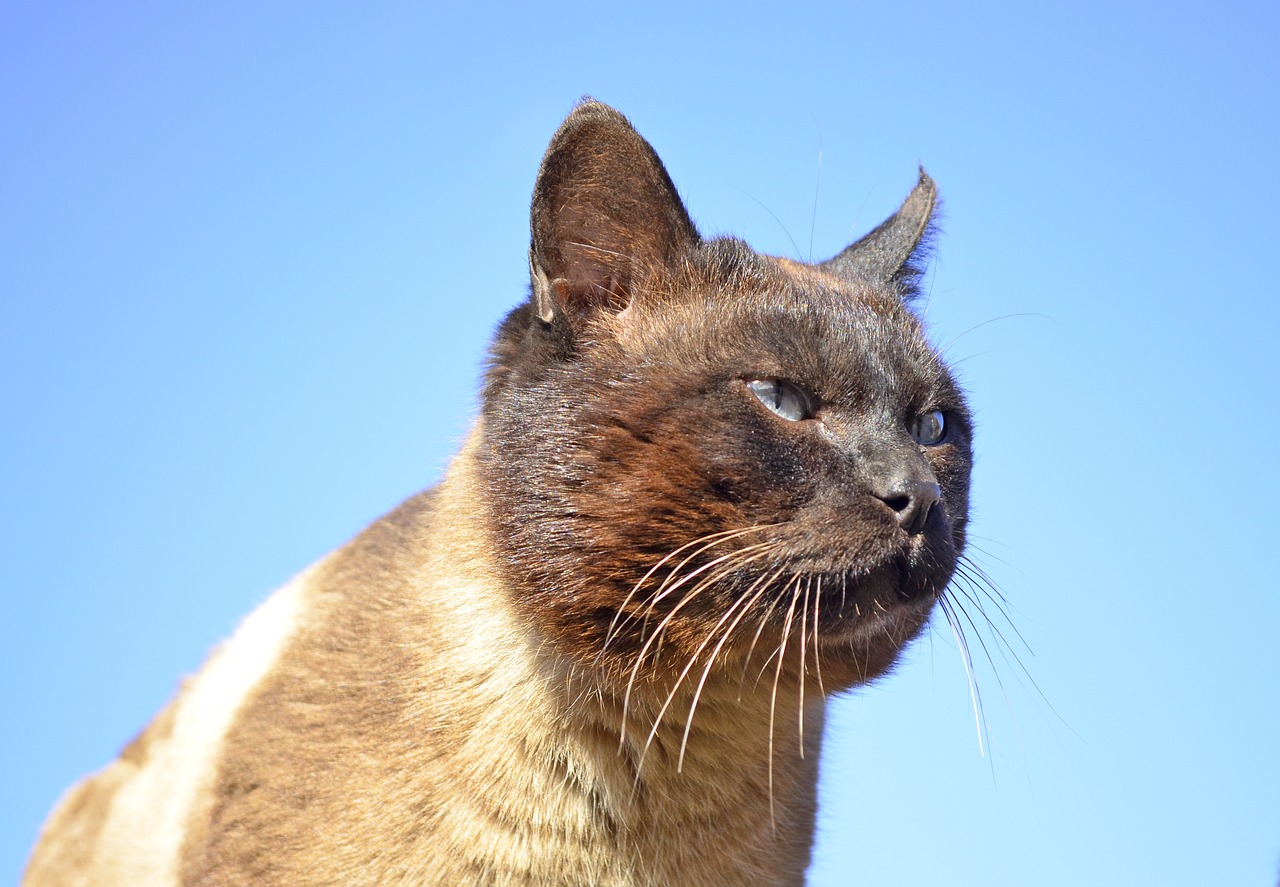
930	429
782	398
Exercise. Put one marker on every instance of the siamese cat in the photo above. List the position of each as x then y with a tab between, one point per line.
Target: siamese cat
707	489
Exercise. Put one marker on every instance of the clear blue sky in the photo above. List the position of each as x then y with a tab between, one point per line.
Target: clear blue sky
251	254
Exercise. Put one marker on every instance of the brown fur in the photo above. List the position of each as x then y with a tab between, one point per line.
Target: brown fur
598	653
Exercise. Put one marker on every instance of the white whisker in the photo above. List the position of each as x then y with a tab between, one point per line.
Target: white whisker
743	609
773	696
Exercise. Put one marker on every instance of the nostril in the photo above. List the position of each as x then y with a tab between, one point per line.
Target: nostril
911	506
898	503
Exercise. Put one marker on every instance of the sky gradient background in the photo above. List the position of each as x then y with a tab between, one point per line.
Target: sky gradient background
251	255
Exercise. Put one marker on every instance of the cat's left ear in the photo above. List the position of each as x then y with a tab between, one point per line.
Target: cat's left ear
605	215
894	254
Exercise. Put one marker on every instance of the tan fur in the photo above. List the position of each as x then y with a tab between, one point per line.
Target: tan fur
509	773
126	825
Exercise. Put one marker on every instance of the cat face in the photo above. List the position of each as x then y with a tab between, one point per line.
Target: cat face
697	451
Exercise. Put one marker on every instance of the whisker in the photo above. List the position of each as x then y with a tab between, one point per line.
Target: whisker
967	661
947	347
762	205
817	654
995	629
804	651
986	652
670	587
984	584
705	583
985	552
706	671
706	542
817	189
735	560
761	623
777	674
1006	648
979	578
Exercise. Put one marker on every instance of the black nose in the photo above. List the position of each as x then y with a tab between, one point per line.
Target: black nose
911	501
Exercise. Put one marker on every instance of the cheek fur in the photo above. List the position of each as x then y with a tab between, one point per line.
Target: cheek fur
653	495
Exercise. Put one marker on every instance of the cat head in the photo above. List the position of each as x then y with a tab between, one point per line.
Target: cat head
694	450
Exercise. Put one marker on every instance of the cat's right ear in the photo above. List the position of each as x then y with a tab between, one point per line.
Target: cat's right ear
605	216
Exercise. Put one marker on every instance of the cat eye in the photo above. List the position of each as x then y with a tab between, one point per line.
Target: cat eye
782	398
930	429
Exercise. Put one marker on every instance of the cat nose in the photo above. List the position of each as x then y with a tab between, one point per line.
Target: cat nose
911	501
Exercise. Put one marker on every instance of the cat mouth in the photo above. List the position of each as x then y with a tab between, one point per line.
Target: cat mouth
855	622
868	599
898	583
898	595
902	575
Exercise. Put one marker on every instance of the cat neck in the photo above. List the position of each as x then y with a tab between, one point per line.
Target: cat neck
574	768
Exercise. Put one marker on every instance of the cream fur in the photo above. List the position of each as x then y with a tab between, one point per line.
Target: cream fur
540	787
556	742
146	822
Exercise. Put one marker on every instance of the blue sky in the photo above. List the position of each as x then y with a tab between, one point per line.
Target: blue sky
251	254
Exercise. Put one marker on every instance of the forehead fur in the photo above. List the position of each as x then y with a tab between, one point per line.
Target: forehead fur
773	317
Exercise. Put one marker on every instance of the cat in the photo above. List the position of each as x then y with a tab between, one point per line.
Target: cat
707	488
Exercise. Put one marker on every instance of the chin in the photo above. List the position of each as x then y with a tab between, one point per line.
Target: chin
861	648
